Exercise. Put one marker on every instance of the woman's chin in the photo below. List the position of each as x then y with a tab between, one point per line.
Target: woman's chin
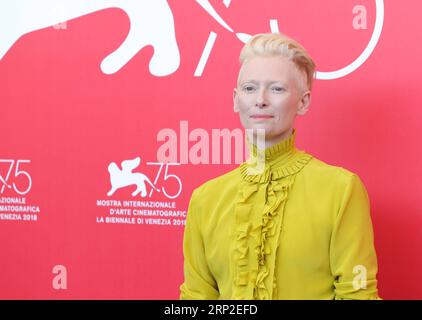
260	125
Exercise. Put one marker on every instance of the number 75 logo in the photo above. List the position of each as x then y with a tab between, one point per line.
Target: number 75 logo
17	172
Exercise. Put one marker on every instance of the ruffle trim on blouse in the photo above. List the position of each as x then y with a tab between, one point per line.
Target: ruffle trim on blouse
243	288
254	243
275	150
254	172
254	257
268	231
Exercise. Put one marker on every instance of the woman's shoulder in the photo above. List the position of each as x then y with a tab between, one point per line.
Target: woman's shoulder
325	173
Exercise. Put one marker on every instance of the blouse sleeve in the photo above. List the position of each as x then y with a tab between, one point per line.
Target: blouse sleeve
352	253
199	283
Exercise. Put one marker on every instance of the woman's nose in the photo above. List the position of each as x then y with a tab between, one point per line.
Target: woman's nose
261	100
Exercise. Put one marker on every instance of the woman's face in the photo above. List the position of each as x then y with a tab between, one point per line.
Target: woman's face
268	96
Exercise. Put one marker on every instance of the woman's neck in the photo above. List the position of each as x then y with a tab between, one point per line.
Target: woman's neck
262	142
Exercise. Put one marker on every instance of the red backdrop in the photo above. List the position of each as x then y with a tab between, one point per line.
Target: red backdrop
65	117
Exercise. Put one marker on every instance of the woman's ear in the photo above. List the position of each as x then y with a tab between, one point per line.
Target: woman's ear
304	103
235	106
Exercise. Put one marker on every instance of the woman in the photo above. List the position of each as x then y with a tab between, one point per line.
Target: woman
283	225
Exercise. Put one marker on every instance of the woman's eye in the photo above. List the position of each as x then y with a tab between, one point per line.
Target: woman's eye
248	88
278	89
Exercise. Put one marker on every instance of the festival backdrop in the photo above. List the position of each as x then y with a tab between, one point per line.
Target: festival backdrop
113	111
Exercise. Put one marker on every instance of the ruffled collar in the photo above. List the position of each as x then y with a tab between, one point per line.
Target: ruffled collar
274	162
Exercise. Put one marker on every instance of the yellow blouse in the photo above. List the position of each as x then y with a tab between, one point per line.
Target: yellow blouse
300	229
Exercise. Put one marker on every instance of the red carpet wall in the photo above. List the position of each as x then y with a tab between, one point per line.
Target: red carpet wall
112	112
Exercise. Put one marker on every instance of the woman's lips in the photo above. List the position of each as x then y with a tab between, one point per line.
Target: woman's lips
261	116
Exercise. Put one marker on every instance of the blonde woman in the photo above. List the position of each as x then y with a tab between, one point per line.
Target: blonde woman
283	225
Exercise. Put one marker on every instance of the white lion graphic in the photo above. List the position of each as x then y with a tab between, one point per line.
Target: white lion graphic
151	23
125	177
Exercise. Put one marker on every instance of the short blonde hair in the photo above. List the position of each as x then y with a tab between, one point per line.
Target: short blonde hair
277	44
